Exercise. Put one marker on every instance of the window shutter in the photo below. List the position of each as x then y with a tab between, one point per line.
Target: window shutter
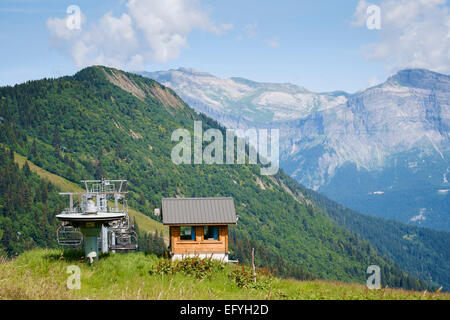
193	233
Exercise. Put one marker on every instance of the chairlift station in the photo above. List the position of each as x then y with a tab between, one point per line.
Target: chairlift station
99	220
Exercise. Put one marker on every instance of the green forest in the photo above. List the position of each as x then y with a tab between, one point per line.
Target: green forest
28	206
104	123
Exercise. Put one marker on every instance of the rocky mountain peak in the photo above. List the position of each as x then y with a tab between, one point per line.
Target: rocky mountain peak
421	79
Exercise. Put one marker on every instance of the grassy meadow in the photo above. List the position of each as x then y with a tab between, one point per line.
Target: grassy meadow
41	274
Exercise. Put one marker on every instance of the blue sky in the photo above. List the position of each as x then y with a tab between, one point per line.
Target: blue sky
310	43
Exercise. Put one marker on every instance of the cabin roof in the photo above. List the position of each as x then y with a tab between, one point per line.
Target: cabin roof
195	211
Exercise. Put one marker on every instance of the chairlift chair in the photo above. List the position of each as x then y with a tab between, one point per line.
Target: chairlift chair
69	236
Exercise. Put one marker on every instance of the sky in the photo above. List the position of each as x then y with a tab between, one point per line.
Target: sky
320	45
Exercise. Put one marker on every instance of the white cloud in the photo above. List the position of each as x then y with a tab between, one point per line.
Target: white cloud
273	42
250	30
360	16
414	34
148	31
59	30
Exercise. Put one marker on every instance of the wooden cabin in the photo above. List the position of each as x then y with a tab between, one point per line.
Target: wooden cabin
199	226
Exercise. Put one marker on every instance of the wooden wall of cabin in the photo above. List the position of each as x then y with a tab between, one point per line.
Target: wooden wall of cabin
178	246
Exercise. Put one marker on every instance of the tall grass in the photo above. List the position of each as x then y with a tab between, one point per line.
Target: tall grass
41	274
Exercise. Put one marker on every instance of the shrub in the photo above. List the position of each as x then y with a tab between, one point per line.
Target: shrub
196	267
243	277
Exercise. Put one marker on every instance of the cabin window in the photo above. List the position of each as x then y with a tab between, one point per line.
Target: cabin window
211	233
187	233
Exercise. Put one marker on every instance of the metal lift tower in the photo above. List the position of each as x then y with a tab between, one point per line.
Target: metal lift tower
101	219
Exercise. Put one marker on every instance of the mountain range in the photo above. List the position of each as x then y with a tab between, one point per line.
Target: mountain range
106	123
381	151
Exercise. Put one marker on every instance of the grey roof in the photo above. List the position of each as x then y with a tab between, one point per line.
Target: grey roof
198	211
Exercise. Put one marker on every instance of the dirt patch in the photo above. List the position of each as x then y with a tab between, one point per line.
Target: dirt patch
285	187
273	180
297	196
260	183
117	125
135	135
122	81
165	95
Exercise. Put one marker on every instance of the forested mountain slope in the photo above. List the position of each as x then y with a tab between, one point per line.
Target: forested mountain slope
423	252
27	207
